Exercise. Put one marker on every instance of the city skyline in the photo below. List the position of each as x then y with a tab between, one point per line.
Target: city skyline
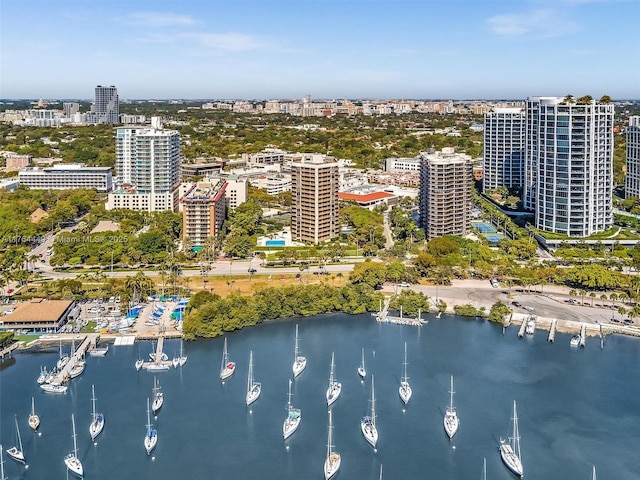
328	49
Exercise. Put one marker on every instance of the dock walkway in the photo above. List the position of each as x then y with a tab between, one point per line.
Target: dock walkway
78	354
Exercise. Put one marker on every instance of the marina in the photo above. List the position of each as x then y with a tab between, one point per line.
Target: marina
411	442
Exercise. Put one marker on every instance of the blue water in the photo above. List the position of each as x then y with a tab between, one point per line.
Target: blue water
577	407
274	243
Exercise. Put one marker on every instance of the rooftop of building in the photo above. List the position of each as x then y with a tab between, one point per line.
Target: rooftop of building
65	167
38	310
364	197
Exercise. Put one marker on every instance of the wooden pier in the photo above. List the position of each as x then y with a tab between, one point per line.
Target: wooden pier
523	327
7	351
552	330
63	375
383	316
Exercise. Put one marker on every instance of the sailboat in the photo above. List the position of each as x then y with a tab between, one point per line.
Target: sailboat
34	419
299	362
97	419
62	359
334	389
253	388
451	420
158	397
405	388
368	423
2	477
361	370
510	451
71	460
42	377
332	462
227	368
151	438
182	359
292	421
16	452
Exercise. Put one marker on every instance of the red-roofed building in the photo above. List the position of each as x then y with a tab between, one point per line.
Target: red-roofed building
369	200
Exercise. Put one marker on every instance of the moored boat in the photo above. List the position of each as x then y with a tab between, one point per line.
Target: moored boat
34	419
510	448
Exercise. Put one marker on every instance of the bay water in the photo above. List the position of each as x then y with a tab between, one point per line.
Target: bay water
577	407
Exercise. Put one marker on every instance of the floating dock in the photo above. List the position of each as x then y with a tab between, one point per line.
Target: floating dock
583	334
78	354
552	330
383	317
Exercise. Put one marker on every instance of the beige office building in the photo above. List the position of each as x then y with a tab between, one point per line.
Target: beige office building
445	195
315	182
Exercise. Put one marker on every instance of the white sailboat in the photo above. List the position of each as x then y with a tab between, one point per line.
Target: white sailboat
43	375
334	389
368	423
78	367
405	389
227	368
51	388
34	419
139	364
292	421
62	359
510	450
183	358
451	420
71	460
2	477
97	419
158	397
151	438
332	462
299	362
253	388
16	452
361	370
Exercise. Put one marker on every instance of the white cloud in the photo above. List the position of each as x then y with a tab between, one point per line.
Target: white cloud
212	42
157	19
538	23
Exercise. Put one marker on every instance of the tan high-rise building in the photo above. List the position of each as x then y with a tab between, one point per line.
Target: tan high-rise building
203	212
315	181
445	194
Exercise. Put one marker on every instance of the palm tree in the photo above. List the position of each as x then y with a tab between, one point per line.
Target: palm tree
623	297
582	294
622	311
572	293
613	297
592	295
603	298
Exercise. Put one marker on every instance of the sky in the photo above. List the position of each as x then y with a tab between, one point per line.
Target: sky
329	49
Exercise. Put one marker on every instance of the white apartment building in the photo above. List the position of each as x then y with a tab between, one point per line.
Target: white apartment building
67	176
147	168
273	184
393	164
632	183
569	165
503	162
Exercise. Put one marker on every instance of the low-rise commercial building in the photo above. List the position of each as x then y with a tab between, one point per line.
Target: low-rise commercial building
67	176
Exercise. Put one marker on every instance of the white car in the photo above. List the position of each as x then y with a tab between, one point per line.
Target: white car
404	285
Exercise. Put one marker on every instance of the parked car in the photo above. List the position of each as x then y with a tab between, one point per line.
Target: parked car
529	308
404	285
516	304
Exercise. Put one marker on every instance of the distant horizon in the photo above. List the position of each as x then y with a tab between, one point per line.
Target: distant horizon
330	49
289	99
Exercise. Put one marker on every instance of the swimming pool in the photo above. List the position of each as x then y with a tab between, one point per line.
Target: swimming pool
274	243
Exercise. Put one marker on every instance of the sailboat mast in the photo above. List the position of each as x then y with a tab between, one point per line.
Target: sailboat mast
332	367
329	446
289	397
148	417
2	477
404	364
250	377
93	401
451	392
75	446
373	404
18	434
224	355
484	470
295	348
516	433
